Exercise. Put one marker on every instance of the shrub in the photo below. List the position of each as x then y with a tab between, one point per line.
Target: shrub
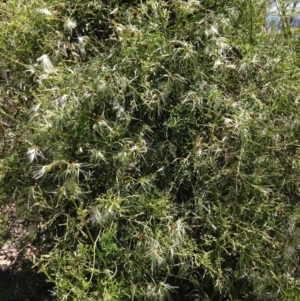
154	145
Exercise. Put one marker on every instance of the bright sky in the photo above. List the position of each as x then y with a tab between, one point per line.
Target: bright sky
278	8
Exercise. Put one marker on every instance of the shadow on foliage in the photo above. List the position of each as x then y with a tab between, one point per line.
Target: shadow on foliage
25	283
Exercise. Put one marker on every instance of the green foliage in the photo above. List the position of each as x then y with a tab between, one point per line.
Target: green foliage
155	145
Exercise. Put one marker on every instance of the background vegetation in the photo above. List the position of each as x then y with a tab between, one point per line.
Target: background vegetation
151	148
